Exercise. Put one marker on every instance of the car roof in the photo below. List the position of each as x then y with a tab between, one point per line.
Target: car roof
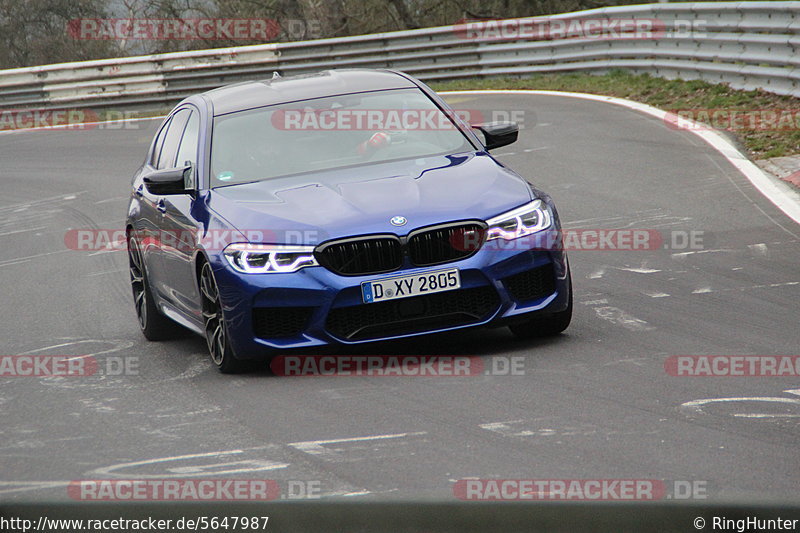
279	90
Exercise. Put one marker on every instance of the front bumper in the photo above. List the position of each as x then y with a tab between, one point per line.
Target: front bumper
314	306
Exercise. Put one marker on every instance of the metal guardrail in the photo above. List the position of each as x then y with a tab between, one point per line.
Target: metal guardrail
746	44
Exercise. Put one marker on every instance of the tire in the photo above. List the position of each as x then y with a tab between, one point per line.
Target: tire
154	325
545	325
216	331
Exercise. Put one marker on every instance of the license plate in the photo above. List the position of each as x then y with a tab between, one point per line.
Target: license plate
382	290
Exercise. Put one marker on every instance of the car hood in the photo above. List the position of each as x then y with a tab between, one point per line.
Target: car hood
312	208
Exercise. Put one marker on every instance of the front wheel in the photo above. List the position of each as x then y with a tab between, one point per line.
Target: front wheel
154	325
219	347
547	325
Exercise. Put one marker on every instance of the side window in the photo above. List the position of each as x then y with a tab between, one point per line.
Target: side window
188	147
172	138
158	144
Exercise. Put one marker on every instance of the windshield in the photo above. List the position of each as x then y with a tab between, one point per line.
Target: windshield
329	133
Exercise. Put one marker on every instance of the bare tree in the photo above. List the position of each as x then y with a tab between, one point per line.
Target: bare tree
331	16
405	15
37	32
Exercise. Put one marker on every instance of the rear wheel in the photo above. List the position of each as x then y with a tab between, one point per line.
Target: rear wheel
546	325
219	347
154	325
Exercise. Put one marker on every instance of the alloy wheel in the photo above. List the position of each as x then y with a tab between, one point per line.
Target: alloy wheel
212	315
136	266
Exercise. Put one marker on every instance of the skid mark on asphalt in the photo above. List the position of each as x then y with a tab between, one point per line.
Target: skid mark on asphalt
545	428
505	429
639	270
199	412
98	406
617	316
106	272
21	206
682	255
598	221
707	290
34	444
23	220
26	259
24	230
344	393
649	218
597	274
759	249
116	345
636	361
525	151
747	196
353	449
594	299
114	199
200	366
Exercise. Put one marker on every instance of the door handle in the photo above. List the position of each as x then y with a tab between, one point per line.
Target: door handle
161	206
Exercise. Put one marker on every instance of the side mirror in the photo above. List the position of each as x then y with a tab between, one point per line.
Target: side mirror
497	134
168	180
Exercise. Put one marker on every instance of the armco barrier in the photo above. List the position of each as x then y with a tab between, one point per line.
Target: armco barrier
746	44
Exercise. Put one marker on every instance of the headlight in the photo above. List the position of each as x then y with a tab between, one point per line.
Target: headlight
519	222
269	258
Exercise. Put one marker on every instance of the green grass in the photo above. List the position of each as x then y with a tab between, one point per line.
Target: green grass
668	95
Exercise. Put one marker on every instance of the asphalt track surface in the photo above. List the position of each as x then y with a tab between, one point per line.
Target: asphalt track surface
595	402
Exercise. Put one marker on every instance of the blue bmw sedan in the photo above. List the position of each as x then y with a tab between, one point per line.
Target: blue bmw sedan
347	206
